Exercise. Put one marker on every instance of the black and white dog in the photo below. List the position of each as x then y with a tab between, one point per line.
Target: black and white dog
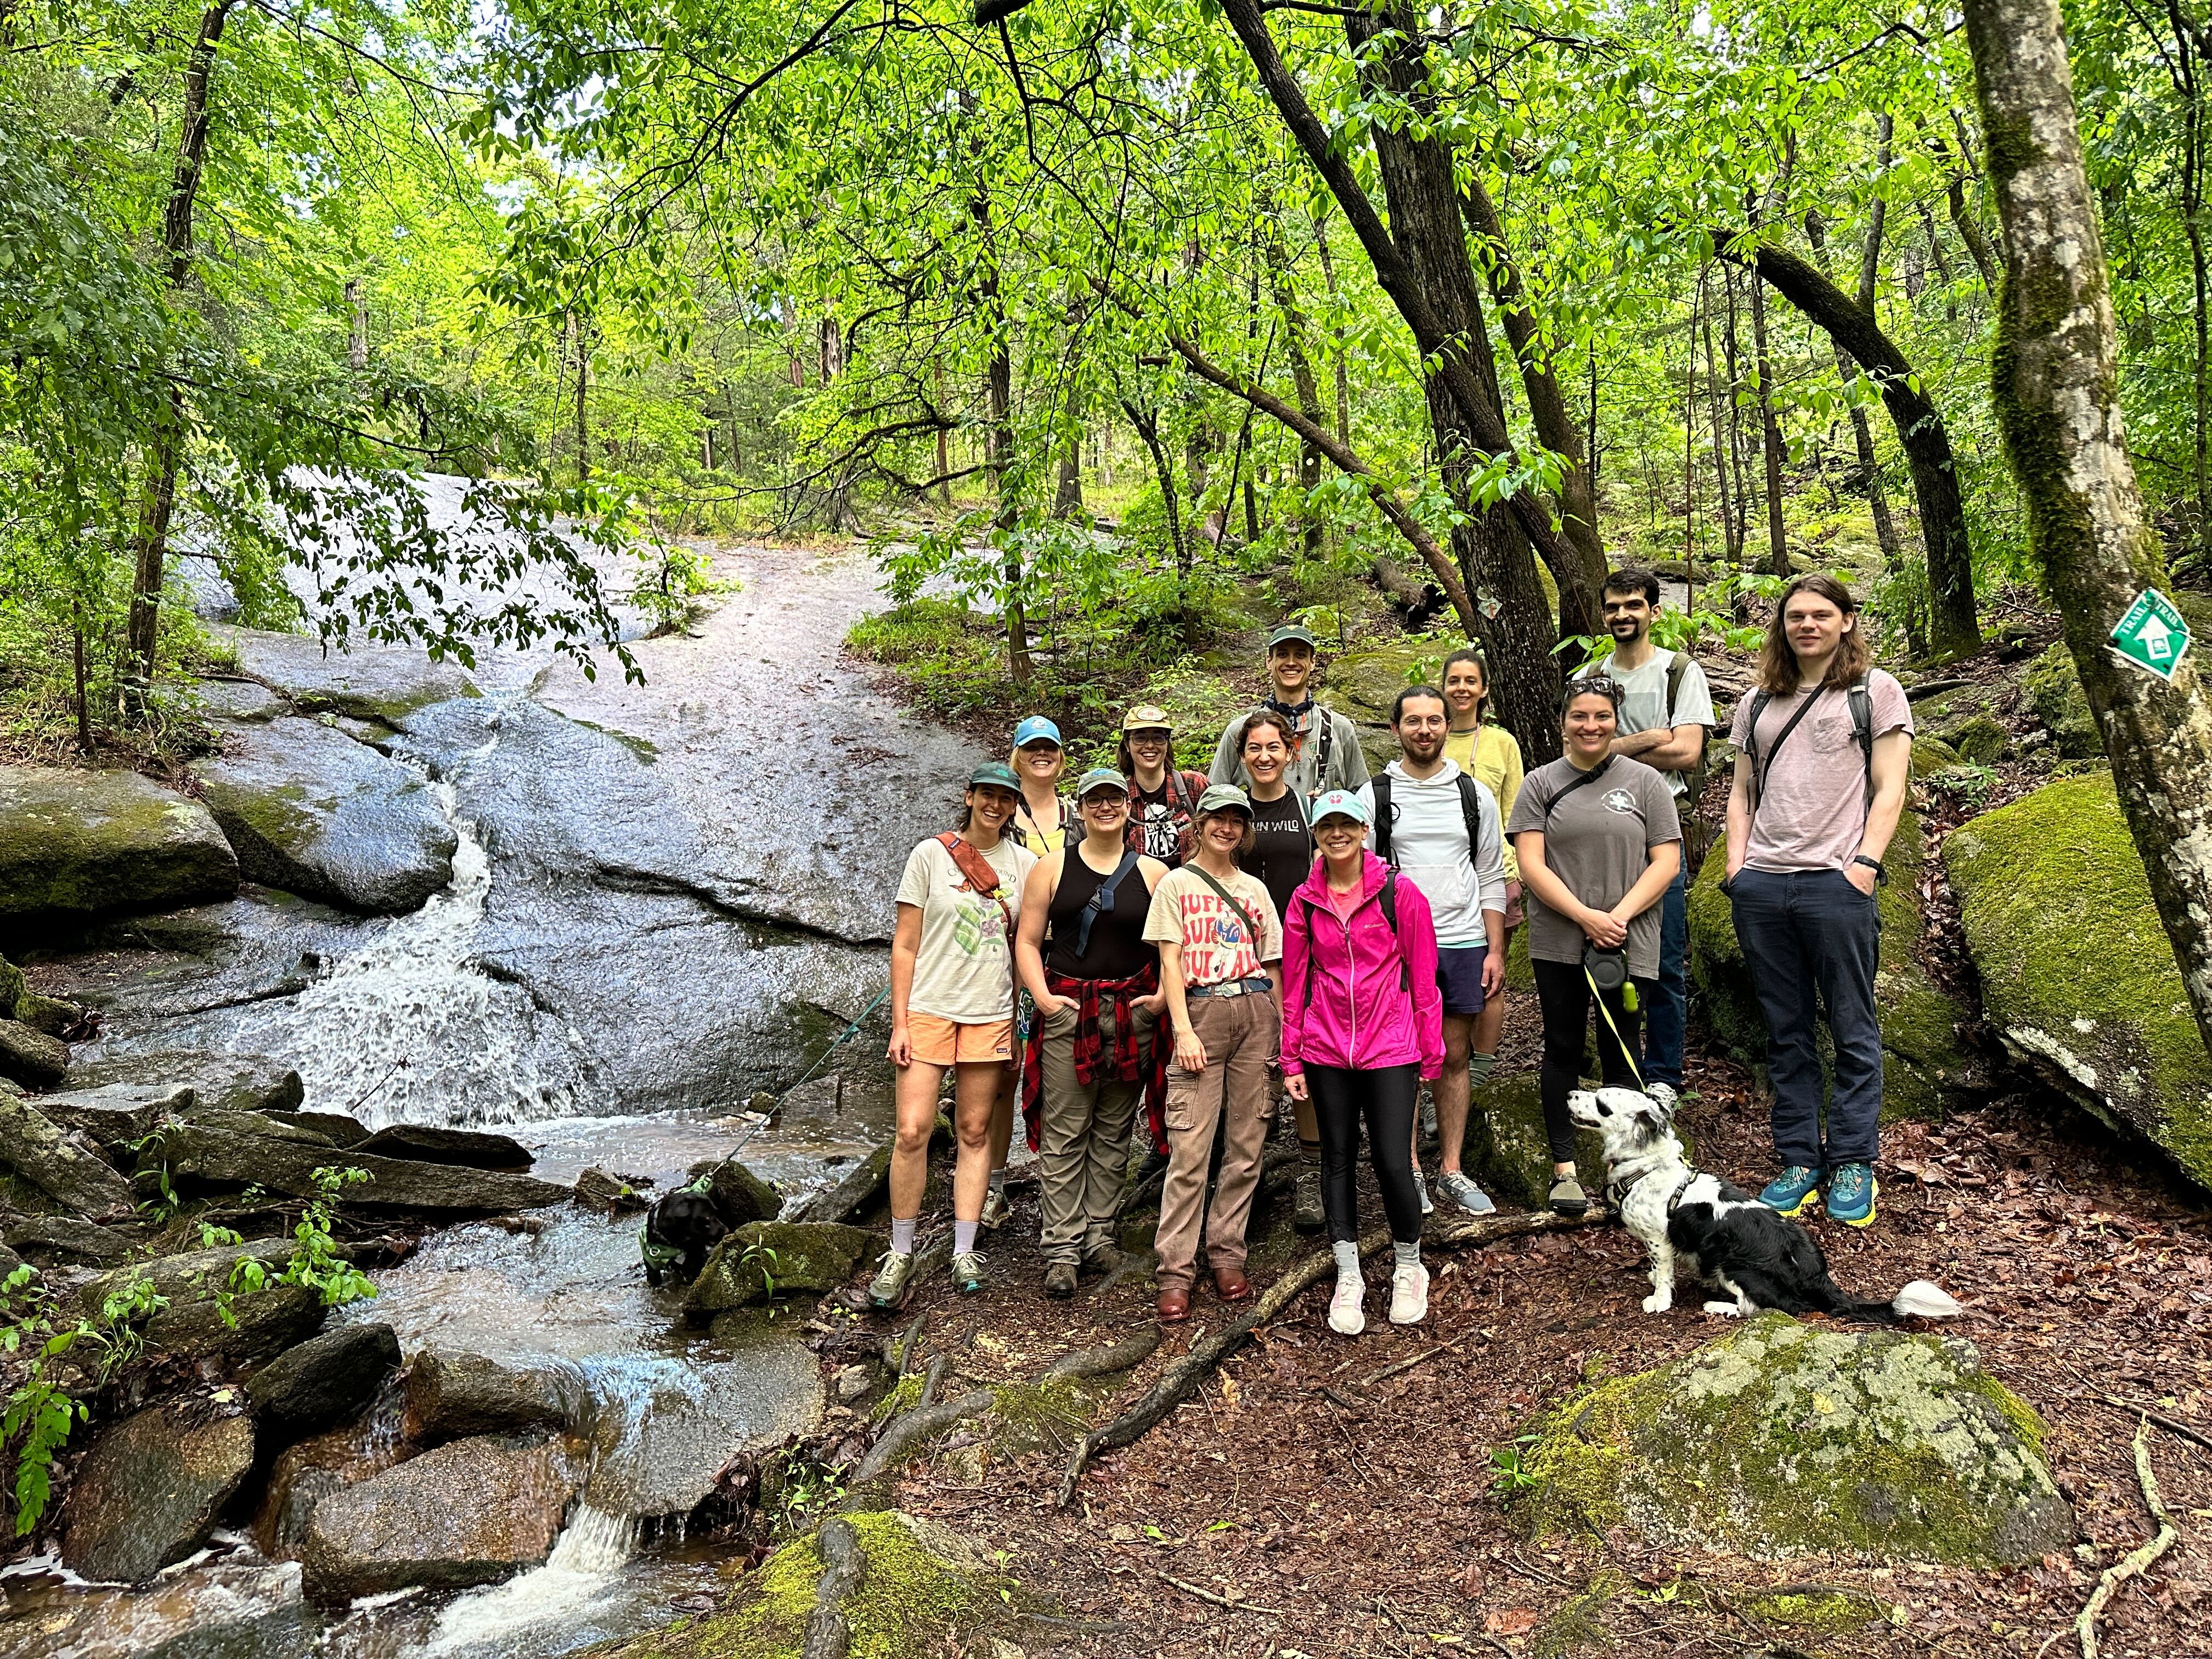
1698	1227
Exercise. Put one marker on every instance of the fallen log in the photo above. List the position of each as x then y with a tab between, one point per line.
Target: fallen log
1182	1379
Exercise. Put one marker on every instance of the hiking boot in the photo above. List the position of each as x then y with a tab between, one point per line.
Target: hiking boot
1059	1280
1455	1185
1789	1192
1308	1216
967	1273
1853	1190
1568	1198
995	1209
1421	1192
1103	1259
1429	1119
891	1280
1409	1294
1665	1095
1344	1315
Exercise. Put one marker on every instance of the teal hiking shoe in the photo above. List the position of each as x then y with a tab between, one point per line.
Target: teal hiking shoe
1851	1193
1789	1192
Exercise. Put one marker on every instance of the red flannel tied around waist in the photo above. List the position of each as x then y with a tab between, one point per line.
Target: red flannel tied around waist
1129	1062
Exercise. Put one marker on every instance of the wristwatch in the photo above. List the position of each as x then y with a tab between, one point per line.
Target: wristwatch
1880	875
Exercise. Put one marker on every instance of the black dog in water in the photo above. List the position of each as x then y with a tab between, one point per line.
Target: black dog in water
678	1232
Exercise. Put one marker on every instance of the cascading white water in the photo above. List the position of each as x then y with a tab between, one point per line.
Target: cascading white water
409	1029
586	1559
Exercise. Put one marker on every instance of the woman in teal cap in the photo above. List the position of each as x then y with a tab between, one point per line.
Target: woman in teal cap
1043	821
953	1008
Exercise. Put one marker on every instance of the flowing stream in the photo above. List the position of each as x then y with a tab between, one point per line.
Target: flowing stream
664	897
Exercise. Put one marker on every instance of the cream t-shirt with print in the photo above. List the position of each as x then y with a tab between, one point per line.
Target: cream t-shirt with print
1217	946
963	971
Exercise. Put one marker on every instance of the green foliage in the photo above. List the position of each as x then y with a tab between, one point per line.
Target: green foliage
62	1360
315	1262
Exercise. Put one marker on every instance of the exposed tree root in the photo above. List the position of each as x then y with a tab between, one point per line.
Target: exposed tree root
2138	1560
898	1440
1102	1362
1182	1379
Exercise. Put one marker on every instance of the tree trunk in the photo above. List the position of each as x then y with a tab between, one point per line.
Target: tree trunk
581	327
998	435
1954	629
165	451
1731	547
1547	405
943	440
2056	376
1885	527
1302	376
1336	352
1147	424
1777	540
356	293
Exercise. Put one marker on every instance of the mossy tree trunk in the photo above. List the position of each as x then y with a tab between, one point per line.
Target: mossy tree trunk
2056	390
1953	630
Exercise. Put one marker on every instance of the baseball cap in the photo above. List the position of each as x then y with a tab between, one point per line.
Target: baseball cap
1100	777
1147	717
1293	634
1340	802
1223	797
1034	727
997	774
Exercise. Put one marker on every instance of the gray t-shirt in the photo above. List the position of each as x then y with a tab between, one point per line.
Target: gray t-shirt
1643	701
1599	843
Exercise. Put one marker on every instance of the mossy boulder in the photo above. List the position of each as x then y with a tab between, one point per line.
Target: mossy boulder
1508	1152
922	1586
382	683
1780	1440
310	811
1364	685
1931	755
1925	1067
1981	741
766	1258
2078	977
77	844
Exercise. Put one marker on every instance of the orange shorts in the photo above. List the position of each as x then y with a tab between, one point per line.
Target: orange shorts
939	1041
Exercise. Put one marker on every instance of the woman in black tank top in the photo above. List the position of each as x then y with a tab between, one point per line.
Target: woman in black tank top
1091	1052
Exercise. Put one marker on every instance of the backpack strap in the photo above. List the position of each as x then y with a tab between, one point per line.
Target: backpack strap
1327	723
1861	702
1470	807
1573	784
968	859
1385	816
1759	770
1677	671
1102	897
1387	898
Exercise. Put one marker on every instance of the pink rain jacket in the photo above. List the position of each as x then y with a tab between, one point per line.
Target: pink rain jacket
1358	1017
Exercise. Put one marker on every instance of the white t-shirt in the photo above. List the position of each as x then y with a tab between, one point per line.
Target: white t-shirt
1643	701
1428	843
963	970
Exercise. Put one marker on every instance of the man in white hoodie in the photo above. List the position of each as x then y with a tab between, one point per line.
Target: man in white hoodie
1441	830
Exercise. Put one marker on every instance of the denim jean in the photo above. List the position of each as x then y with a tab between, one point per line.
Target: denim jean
1670	997
1803	933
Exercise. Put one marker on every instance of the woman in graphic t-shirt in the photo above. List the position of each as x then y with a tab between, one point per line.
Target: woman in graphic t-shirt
952	1007
1163	796
1599	842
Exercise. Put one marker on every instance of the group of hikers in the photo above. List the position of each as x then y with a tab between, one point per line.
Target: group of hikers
1193	943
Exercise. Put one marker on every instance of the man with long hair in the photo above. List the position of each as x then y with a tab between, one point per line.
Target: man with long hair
1823	750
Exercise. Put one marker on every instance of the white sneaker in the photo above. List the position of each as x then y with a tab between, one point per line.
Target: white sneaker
1345	1316
1409	1294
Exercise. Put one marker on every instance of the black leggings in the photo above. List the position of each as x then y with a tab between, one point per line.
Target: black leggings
1564	995
1387	1096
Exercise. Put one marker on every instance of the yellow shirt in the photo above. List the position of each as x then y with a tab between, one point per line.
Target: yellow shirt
1490	754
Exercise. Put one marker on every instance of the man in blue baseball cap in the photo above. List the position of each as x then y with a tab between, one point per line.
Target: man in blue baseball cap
1325	744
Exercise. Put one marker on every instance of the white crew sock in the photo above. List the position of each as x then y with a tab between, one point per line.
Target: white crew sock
963	1238
902	1234
1409	1255
1347	1259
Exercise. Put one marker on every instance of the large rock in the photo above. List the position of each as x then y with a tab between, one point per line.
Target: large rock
30	1057
431	1143
739	1194
1780	1440
79	843
327	1379
221	1159
765	1259
451	1397
2078	977
384	683
471	1512
310	811
116	1113
57	1241
1508	1152
1925	1066
35	1150
219	1083
199	1284
149	1491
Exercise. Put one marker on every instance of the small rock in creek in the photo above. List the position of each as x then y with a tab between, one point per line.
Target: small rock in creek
452	1396
149	1491
325	1380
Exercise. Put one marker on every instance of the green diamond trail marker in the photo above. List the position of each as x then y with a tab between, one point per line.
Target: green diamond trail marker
2153	634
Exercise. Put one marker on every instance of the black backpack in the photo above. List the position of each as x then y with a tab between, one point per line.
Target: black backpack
1387	898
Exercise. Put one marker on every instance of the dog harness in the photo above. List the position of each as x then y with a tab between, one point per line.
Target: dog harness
1617	1188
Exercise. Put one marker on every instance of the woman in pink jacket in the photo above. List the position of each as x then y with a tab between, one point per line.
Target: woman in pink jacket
1362	1023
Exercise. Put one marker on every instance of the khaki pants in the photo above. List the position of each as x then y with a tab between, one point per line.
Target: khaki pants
1241	1034
1083	1142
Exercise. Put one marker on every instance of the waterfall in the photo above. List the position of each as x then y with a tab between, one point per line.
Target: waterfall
586	1559
410	1029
